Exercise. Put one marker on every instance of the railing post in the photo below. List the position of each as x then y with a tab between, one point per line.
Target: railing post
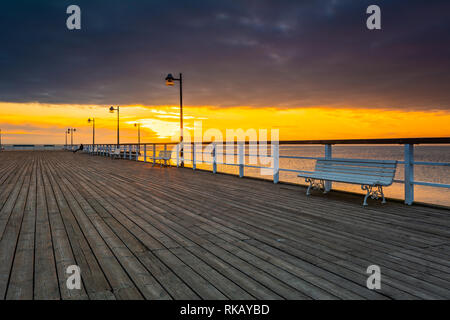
145	153
241	159
154	153
178	155
130	149
328	156
138	148
214	158
194	165
409	174
276	161
165	150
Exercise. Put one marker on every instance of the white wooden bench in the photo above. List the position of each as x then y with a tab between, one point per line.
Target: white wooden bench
163	156
115	153
372	175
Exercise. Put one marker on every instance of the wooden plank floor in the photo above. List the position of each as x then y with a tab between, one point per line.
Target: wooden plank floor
139	232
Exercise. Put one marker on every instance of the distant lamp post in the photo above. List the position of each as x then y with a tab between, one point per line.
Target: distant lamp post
71	131
93	130
65	146
112	109
170	81
1	146
138	125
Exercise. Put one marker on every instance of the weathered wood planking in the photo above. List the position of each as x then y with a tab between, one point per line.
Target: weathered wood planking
143	232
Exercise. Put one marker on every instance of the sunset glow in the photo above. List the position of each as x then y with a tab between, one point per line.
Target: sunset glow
45	123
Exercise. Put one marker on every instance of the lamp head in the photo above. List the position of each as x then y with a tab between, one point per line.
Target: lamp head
111	109
90	120
170	80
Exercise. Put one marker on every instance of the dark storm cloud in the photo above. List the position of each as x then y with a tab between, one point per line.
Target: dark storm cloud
253	53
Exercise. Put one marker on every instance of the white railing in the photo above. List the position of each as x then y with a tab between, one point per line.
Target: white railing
147	152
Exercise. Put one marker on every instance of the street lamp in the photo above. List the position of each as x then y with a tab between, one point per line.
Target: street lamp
1	146
170	81
71	131
112	109
93	130
138	125
65	146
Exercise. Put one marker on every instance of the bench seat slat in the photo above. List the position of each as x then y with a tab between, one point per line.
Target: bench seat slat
355	163
354	179
368	161
354	173
353	168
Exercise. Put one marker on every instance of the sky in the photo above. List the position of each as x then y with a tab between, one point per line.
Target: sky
311	69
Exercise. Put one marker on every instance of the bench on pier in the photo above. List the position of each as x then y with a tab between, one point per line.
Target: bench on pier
372	175
116	153
163	156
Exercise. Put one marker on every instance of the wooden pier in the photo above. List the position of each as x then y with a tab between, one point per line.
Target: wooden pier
143	232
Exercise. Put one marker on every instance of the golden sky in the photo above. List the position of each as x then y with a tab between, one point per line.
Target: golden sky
45	123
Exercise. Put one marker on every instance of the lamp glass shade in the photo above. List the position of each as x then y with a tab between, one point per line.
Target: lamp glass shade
169	80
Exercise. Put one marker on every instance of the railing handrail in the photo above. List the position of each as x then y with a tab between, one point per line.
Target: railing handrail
433	140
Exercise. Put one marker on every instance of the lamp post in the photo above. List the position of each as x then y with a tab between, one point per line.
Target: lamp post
93	130
112	109
138	125
65	146
71	131
170	81
1	146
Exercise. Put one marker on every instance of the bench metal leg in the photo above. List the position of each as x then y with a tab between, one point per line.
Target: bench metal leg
380	190
367	194
320	185
308	191
374	192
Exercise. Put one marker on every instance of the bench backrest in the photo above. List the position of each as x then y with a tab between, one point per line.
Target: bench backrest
383	170
165	154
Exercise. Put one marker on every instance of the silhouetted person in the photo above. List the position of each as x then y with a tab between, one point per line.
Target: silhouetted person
79	149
